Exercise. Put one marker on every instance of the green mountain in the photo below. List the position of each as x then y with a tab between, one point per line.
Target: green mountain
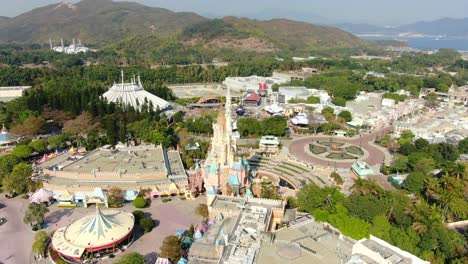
104	23
94	21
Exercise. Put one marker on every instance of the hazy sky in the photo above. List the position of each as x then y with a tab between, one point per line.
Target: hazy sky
379	12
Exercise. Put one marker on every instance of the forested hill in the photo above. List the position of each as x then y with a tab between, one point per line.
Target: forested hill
102	22
94	21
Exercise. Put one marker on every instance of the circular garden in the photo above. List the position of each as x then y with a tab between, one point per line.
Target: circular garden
336	150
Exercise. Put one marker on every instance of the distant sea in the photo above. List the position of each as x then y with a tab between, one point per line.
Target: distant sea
427	43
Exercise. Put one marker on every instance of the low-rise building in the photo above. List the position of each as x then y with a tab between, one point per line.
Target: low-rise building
269	144
129	168
375	250
237	229
362	169
251	83
8	93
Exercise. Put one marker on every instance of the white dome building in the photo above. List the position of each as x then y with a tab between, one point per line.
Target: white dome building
134	94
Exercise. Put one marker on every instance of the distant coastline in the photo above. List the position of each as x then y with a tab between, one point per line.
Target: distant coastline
423	42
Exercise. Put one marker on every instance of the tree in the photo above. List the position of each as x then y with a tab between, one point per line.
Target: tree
407	148
346	115
18	181
7	162
138	214
39	145
421	144
35	214
171	249
202	210
191	231
366	187
415	182
115	197
339	101
139	202
81	125
365	207
131	258
424	165
146	224
463	146
268	190
22	151
40	243
31	126
58	141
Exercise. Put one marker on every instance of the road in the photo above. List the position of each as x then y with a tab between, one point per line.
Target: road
16	237
375	157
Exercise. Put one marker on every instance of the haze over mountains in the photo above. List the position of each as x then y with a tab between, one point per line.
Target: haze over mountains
449	27
103	21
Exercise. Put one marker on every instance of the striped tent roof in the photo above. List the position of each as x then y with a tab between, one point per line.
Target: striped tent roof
133	94
94	231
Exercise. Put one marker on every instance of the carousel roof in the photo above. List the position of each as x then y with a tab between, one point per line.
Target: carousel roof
133	94
92	232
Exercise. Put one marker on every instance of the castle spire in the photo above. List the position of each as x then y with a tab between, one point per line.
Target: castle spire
122	74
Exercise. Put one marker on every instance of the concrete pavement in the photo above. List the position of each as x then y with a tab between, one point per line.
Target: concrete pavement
16	236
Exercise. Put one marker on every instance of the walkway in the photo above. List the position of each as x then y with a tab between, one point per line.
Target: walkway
16	237
377	155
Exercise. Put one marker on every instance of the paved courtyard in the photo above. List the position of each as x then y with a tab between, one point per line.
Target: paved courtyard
168	217
16	237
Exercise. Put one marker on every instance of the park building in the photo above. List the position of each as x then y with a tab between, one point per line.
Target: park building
94	236
8	93
74	48
78	178
133	94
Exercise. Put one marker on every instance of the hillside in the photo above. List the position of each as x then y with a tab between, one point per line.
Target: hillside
128	28
270	35
94	21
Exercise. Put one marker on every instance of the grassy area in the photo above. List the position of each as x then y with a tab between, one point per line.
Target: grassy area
295	166
355	150
330	144
340	156
284	167
285	172
317	149
337	178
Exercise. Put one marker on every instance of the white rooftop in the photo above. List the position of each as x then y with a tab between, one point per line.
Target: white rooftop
135	95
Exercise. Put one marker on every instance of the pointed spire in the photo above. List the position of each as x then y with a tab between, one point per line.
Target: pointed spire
122	74
139	80
50	42
63	46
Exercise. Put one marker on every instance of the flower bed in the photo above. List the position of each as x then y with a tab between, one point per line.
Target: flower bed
317	149
355	150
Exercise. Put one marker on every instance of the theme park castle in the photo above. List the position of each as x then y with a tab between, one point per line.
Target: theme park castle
221	172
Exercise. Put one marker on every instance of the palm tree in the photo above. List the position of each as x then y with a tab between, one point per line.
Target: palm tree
35	214
366	187
432	188
425	217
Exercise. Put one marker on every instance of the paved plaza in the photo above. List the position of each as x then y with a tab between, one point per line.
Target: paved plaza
168	217
375	155
16	237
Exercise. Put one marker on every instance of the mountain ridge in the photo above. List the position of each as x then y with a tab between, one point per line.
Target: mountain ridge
100	22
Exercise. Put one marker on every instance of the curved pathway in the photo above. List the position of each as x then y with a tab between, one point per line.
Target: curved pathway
376	155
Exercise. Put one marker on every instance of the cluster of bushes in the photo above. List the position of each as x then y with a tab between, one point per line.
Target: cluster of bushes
146	223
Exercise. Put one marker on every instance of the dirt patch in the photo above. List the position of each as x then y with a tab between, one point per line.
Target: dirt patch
246	44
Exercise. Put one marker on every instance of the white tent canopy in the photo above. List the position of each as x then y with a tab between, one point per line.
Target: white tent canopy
134	94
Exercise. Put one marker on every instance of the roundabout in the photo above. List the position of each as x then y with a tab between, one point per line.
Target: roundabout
340	152
336	150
